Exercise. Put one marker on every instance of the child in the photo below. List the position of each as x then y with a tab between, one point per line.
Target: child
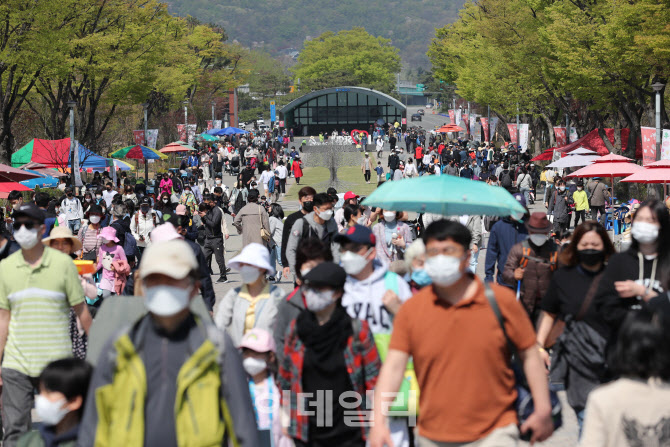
109	252
380	171
259	361
63	386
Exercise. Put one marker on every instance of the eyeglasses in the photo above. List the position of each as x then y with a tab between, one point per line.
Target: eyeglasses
28	224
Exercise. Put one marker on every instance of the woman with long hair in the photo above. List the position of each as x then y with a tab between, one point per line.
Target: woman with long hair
569	298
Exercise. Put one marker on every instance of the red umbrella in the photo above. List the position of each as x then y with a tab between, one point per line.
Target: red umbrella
7	187
9	174
544	156
448	128
657	172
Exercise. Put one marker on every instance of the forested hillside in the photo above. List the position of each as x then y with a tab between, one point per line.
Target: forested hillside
281	24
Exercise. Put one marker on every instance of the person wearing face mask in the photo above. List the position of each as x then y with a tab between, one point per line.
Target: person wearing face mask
531	264
63	386
142	224
165	205
372	294
189	370
108	194
326	349
559	206
112	262
392	237
635	278
569	299
44	279
260	363
349	199
581	201
188	199
456	308
598	195
415	258
73	210
319	223
253	305
88	234
129	194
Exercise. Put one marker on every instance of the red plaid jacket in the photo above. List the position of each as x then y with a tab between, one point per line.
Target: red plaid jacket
363	365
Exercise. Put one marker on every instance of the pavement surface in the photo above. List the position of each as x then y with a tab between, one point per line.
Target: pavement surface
566	436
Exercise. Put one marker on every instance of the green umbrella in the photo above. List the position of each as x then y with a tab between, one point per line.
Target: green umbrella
446	195
206	137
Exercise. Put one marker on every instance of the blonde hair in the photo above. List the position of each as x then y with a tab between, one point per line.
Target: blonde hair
416	248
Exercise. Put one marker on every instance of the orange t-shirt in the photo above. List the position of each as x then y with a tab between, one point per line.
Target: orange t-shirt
461	361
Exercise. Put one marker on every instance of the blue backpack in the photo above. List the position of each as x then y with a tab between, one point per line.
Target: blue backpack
271	185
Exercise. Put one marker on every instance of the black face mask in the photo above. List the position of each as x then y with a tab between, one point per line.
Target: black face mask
591	257
308	206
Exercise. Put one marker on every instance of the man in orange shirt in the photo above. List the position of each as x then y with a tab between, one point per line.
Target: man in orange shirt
460	355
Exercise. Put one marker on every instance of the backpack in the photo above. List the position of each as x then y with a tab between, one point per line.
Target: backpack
505	179
526	250
129	244
271	185
489	221
307	231
239	202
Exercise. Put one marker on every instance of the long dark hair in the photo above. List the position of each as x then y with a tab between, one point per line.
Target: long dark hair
659	210
569	256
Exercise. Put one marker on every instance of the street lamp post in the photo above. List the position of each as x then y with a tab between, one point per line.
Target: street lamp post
658	88
518	133
145	107
186	118
467	123
72	105
213	110
488	120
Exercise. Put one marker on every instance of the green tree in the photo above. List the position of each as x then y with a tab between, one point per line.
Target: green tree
267	76
351	57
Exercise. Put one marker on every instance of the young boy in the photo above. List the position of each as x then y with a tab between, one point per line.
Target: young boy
380	171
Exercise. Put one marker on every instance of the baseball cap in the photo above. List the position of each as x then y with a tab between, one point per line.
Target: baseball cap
350	195
180	210
326	274
521	199
145	201
258	340
30	210
170	258
358	234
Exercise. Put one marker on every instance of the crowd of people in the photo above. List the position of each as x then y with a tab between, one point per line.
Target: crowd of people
388	336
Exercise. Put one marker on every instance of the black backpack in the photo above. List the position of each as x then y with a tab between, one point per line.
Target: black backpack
239	202
505	179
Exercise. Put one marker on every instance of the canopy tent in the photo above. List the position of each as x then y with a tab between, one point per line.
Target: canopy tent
43	180
7	187
547	155
207	137
226	131
56	154
594	142
577	158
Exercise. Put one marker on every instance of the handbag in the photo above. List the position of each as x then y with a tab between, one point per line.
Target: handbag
524	401
265	234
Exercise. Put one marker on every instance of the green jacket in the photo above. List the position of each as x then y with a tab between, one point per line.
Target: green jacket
34	439
115	407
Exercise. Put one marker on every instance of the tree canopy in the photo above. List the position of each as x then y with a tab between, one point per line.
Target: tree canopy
351	57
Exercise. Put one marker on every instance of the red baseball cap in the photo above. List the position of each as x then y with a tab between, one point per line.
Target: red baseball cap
350	195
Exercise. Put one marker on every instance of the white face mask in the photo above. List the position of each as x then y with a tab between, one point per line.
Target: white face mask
643	232
326	215
26	238
318	300
249	274
95	219
254	366
50	412
444	270
538	239
303	272
166	301
362	220
353	263
389	216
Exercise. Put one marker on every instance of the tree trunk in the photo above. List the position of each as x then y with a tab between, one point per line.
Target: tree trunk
550	129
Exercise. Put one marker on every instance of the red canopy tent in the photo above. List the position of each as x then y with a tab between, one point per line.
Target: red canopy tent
591	141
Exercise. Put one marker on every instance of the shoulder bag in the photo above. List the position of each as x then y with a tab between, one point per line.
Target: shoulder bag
265	234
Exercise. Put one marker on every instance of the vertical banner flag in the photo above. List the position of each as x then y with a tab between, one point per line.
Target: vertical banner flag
485	127
648	145
452	116
75	166
573	135
152	137
459	113
478	132
139	136
216	124
181	131
665	145
210	124
493	125
473	121
466	120
512	132
561	137
191	134
272	111
523	136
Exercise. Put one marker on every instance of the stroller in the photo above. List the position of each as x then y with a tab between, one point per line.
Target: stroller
234	165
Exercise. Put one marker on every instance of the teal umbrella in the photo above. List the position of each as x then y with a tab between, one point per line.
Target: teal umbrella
446	195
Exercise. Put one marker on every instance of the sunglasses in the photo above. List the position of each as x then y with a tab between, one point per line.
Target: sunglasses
28	224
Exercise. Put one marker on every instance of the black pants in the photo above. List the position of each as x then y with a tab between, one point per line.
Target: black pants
367	175
594	213
17	401
215	246
282	185
580	215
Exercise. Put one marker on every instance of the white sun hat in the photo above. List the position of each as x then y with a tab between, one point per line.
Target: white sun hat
253	254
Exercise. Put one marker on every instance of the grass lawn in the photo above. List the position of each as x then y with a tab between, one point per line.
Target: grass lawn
351	175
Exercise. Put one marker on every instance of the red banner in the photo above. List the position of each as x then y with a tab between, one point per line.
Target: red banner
452	116
485	127
561	137
139	136
648	145
181	130
513	133
465	119
210	125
